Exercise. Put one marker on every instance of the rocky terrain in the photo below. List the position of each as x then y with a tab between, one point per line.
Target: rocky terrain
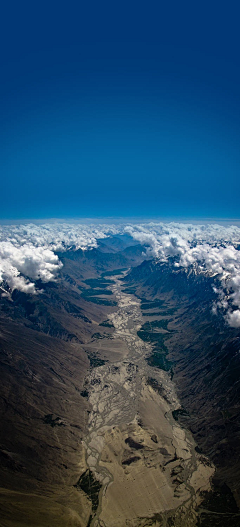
119	397
204	353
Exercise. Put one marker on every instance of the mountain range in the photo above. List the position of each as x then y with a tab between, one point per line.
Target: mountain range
50	341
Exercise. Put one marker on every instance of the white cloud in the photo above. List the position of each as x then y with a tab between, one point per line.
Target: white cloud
27	252
209	248
234	318
20	265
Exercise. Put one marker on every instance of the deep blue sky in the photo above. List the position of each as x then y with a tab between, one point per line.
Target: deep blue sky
120	109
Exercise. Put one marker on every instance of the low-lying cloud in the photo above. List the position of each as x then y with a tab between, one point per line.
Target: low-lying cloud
210	248
28	253
20	266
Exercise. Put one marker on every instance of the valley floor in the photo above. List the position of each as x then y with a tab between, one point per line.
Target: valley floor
142	466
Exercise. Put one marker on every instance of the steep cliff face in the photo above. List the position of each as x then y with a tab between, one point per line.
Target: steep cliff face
205	356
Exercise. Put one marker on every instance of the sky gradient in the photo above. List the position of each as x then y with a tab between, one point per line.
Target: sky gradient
118	109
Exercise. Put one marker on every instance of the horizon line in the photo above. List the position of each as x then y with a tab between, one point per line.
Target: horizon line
118	219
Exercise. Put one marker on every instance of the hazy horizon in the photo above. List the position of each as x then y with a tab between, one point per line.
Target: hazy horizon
120	219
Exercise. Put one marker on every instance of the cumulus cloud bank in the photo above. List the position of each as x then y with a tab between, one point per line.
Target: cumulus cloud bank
28	252
20	265
209	248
